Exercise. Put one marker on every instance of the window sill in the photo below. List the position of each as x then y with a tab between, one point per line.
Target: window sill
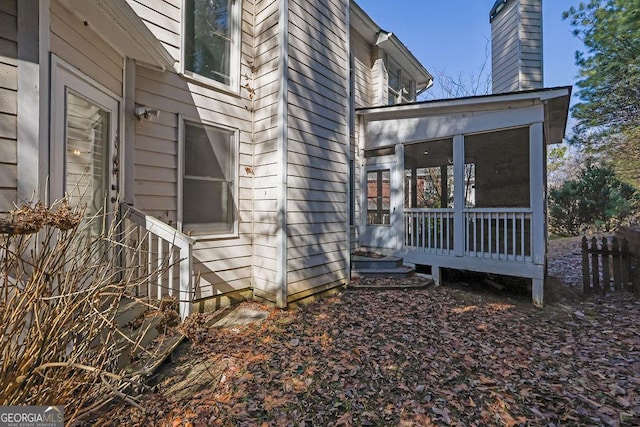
233	89
205	235
208	237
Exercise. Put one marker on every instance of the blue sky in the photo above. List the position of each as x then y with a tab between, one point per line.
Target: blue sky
450	36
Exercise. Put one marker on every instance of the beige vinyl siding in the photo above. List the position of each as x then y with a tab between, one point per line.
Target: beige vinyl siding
363	97
516	45
78	45
361	51
220	265
505	49
531	44
8	104
266	160
163	18
317	161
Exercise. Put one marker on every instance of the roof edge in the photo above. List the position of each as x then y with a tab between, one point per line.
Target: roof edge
367	27
545	95
117	22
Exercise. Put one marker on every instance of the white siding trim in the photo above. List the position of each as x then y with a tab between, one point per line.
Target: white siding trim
179	182
283	136
397	196
128	135
458	202
30	73
381	133
350	67
537	193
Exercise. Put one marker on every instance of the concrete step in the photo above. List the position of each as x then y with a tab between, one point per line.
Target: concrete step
394	284
401	272
359	262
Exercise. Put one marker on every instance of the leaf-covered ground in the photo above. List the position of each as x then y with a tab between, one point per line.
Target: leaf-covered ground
450	355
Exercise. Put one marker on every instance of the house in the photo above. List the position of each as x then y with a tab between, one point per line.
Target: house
248	137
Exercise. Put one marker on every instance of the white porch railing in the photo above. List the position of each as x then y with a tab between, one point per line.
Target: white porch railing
492	233
498	233
163	254
429	230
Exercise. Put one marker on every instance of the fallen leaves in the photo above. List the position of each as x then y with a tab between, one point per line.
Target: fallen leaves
440	356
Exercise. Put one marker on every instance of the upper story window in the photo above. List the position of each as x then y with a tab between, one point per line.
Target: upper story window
211	44
400	85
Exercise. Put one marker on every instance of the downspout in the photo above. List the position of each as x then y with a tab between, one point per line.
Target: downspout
283	136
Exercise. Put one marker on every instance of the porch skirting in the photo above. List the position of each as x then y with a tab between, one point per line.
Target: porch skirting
535	272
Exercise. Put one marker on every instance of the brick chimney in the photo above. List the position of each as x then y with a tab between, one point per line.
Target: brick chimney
516	45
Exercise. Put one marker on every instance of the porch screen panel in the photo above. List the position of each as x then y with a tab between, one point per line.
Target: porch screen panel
497	194
428	176
378	197
497	169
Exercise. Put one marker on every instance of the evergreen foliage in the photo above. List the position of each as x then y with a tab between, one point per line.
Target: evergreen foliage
596	200
609	77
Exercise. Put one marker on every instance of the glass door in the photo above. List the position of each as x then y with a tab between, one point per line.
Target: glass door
87	166
83	152
381	222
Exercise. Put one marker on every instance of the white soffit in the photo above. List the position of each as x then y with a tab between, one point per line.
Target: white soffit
121	27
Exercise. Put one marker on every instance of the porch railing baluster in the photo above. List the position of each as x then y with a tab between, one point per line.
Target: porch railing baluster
172	250
149	262
160	266
149	230
492	233
505	218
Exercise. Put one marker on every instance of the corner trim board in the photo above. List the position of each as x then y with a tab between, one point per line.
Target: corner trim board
283	136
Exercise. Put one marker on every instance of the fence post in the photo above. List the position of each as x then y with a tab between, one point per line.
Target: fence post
585	266
606	275
617	270
635	277
595	270
626	264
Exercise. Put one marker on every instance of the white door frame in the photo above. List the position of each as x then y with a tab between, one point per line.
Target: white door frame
383	236
65	77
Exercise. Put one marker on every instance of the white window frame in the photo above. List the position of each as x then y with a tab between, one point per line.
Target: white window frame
181	169
398	97
234	61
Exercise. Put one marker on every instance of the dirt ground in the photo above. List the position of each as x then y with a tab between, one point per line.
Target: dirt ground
462	354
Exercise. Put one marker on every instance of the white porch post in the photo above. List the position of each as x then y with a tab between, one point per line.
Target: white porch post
537	195
458	195
397	193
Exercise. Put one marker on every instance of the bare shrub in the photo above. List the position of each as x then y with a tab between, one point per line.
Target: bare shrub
61	285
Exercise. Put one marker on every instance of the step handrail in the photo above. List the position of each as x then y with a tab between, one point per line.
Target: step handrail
173	237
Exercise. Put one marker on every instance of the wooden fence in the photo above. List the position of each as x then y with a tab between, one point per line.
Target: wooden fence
609	266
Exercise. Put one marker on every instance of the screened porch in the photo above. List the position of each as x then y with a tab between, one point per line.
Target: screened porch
494	205
461	183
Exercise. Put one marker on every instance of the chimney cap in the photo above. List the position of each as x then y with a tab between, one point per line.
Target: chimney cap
498	6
